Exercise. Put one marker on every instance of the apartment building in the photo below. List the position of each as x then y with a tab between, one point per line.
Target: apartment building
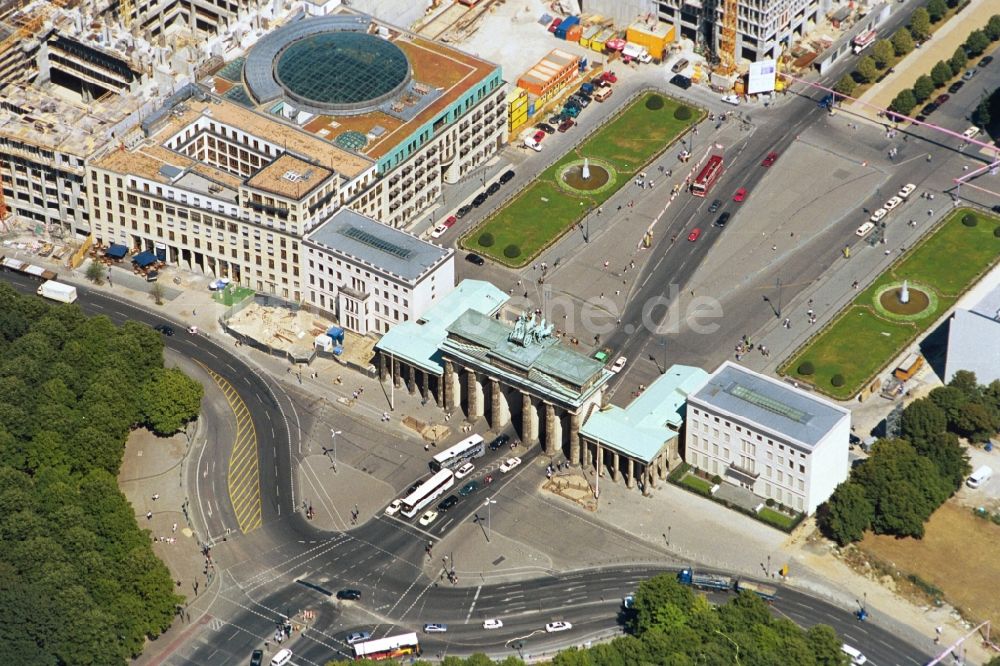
371	277
778	441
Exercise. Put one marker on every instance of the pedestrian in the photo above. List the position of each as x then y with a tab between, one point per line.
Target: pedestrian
774	248
174	529
156	497
149	515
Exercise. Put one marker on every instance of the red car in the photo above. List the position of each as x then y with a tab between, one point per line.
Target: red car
450	222
740	195
769	160
555	24
609	77
539	135
695	233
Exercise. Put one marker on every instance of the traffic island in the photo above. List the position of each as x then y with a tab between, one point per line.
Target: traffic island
561	197
874	328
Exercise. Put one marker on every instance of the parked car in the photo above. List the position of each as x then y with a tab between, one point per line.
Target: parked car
941	99
474	258
507	176
438	231
447	503
499	441
892	203
358	637
509	464
463	211
985	60
681	81
450	222
929	109
464	471
538	136
492	189
609	77
349	595
955	87
469	488
566	124
553	627
618	365
969	74
555	24
906	190
545	127
479	200
394	507
723	220
428	517
694	235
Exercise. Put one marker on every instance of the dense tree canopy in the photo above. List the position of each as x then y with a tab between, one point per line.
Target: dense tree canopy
79	583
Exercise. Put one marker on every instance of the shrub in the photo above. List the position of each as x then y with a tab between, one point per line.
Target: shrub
655	103
837	380
486	239
970	220
682	113
806	368
512	251
716	480
769	502
996	232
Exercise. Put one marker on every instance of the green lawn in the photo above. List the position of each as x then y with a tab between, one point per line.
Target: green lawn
776	518
544	211
860	342
232	294
697	484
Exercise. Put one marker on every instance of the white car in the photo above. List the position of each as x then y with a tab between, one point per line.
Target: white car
731	99
892	203
865	229
509	464
619	364
492	624
553	627
428	517
906	190
438	231
464	471
394	507
857	659
878	215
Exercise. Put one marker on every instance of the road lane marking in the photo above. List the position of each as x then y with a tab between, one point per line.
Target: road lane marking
473	604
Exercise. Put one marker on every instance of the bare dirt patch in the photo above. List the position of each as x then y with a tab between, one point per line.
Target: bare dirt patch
956	555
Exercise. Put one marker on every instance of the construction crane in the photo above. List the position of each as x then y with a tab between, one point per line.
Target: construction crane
727	42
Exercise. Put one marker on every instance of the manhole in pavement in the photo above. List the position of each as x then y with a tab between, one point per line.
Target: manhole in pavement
499	560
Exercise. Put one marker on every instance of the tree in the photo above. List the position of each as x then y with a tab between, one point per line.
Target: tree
660	602
936	9
950	399
846	85
992	29
902	41
847	514
904	102
923	88
959	59
883	52
825	645
156	292
95	273
966	382
981	116
977	42
922	420
920	24
975	422
866	69
940	73
948	456
171	399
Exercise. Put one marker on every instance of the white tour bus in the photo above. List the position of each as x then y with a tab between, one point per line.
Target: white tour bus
456	456
427	492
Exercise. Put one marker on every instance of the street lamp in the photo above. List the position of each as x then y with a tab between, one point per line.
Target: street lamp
333	436
489	503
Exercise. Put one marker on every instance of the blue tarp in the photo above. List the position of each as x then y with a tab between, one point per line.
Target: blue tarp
336	333
116	251
144	259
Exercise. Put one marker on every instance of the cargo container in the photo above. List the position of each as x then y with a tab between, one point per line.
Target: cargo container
721	583
574	34
655	40
24	268
600	42
589	34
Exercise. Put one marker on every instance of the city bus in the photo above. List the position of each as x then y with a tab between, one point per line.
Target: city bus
427	492
864	40
456	456
706	179
390	647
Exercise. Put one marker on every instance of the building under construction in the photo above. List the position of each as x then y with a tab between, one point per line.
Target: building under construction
760	30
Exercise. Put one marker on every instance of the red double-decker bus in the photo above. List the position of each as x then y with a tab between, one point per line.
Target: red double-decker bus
709	174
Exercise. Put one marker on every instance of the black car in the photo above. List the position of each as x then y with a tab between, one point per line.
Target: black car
681	81
163	328
463	211
996	209
929	109
723	220
507	176
469	488
548	129
555	119
349	595
920	117
447	503
499	441
474	258
493	189
479	200
257	658
715	206
955	87
985	61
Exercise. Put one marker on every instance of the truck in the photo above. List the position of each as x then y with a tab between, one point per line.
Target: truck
636	52
57	291
720	583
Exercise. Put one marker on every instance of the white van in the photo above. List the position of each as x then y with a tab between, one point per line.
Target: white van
971	132
282	658
855	654
531	143
865	229
979	477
